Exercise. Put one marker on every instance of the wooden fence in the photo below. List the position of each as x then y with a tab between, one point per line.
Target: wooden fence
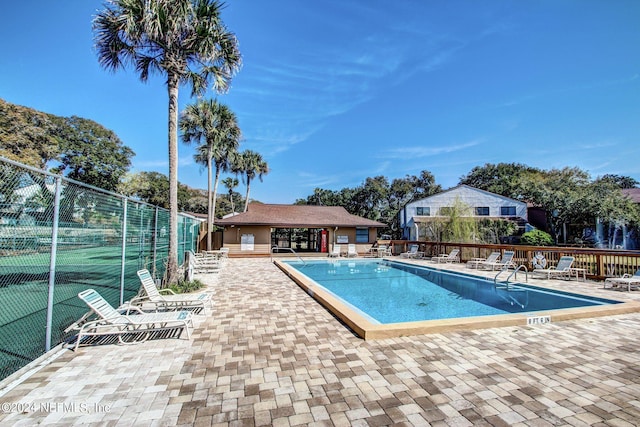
598	263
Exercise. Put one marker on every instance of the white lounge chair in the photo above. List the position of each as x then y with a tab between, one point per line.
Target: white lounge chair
412	252
205	263
173	301
384	250
562	269
505	262
451	257
351	251
224	253
477	262
335	251
137	327
626	281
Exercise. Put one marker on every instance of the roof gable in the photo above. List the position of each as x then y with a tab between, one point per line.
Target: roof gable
461	190
298	216
632	193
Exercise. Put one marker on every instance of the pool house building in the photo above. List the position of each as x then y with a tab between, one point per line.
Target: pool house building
481	204
302	228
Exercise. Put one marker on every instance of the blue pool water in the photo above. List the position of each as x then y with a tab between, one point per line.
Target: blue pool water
393	292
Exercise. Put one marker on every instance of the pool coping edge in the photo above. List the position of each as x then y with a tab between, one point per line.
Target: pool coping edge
367	330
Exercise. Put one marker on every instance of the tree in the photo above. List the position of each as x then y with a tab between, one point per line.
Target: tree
406	190
250	164
215	128
620	181
559	193
184	40
153	188
506	179
536	238
28	136
230	183
92	154
602	201
458	225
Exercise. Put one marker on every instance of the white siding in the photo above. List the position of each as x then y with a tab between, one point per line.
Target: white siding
470	196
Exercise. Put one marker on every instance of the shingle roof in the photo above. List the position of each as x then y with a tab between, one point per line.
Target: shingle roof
298	216
632	193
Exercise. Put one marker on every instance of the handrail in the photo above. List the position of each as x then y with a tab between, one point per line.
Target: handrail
277	249
502	270
520	267
505	285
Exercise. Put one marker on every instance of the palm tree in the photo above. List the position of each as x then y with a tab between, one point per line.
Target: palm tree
184	40
250	164
215	127
230	183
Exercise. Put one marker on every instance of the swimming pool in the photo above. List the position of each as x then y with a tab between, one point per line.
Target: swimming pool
389	298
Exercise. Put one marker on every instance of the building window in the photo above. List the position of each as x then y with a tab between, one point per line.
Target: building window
420	211
508	211
482	211
362	235
446	211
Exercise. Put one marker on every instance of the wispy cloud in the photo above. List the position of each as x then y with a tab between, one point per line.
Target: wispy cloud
427	151
299	92
570	89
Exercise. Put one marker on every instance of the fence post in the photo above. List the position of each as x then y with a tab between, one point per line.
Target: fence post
155	244
52	262
124	249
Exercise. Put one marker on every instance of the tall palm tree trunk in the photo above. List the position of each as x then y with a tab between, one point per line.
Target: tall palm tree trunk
215	195
172	260
246	199
211	204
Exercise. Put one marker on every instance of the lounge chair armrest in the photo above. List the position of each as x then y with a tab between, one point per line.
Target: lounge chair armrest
131	309
77	325
136	300
167	290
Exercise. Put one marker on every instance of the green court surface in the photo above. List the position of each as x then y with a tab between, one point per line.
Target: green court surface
24	290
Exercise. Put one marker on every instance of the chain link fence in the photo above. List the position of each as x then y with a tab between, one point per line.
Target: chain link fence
59	237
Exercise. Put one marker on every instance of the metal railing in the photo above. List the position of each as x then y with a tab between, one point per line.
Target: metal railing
276	249
59	237
513	273
598	263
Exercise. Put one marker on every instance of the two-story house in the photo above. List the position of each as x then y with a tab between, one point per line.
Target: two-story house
483	204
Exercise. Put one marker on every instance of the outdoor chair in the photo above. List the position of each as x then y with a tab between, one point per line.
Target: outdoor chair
155	299
477	262
384	250
505	262
335	252
127	326
351	251
203	263
627	281
561	270
412	252
451	257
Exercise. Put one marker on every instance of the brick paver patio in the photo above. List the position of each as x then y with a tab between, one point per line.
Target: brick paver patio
270	355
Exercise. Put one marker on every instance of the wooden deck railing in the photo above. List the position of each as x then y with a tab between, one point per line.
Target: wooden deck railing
598	263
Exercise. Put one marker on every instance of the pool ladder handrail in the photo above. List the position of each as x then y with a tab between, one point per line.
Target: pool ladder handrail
505	285
278	249
515	272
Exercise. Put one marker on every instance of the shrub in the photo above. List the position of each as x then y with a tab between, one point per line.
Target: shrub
536	238
184	286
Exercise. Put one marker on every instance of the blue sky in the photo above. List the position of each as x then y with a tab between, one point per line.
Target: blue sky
332	92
